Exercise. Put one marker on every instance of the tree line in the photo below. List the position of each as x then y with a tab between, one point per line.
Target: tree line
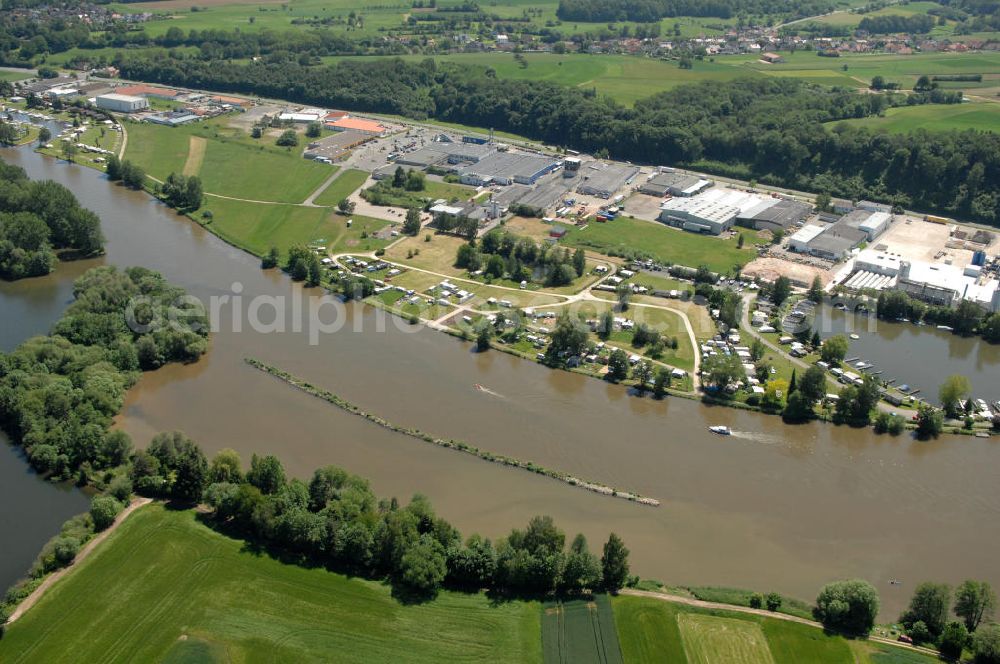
894	23
335	519
648	11
39	219
774	130
966	319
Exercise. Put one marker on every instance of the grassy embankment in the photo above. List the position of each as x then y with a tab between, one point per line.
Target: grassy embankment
978	115
166	588
651	630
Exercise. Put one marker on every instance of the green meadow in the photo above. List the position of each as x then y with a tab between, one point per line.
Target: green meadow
229	162
257	227
668	245
345	185
164	587
982	116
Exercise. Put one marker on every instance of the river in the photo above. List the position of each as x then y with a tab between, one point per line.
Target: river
772	507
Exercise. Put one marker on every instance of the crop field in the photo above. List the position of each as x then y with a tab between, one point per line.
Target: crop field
668	245
650	630
580	632
710	639
345	185
904	69
164	587
981	116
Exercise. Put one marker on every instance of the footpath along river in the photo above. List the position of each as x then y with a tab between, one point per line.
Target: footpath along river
772	507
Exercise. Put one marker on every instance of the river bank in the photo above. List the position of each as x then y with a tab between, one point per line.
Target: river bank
803	504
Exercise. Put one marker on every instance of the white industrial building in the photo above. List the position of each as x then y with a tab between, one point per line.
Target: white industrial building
713	212
121	103
935	283
801	238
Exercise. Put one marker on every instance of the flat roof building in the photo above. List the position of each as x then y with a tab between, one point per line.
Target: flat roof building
871	223
424	157
699	215
121	103
506	168
337	146
773	214
603	180
800	240
675	184
358	124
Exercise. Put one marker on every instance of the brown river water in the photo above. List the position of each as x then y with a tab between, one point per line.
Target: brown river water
773	507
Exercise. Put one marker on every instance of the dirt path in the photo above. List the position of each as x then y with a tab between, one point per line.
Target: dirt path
87	549
196	155
121	150
701	604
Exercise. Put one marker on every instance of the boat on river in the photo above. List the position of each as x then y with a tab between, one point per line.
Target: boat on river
721	429
855	336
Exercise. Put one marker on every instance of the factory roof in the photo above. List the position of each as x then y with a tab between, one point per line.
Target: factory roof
807	233
425	156
837	240
703	208
778	211
509	165
600	176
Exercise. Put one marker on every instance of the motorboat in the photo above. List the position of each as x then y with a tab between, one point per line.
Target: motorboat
721	429
855	336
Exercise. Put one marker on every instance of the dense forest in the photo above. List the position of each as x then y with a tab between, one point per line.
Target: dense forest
773	130
59	393
647	11
37	219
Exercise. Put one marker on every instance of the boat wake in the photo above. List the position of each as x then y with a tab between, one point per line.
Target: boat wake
488	391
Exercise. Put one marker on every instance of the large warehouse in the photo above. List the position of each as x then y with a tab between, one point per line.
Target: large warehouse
714	211
603	180
773	214
675	184
121	103
507	168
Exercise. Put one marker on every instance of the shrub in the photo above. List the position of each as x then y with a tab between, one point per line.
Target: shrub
103	510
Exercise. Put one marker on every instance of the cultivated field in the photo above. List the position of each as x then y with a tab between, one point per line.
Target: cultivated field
166	588
580	632
709	639
667	245
650	630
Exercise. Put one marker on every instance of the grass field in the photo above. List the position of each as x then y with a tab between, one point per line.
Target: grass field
221	158
166	588
345	185
650	630
16	75
982	116
256	228
667	245
580	632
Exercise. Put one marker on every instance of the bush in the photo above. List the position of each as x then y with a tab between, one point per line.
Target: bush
121	489
953	640
773	601
65	549
103	510
756	601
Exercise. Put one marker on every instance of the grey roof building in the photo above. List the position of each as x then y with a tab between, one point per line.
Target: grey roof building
603	180
774	214
675	184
